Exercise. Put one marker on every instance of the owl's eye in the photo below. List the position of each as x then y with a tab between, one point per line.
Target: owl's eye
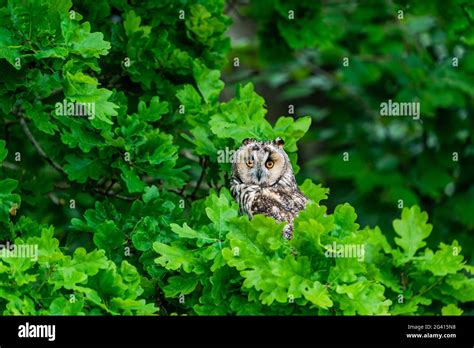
249	163
269	164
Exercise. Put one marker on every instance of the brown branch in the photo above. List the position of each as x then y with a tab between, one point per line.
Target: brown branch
53	93
39	149
230	6
468	17
103	192
11	166
6	128
422	292
201	177
179	193
114	195
112	183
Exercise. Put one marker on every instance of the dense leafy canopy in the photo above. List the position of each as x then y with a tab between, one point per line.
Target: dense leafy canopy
337	61
128	204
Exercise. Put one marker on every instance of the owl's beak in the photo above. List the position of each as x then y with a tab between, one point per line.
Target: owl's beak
259	174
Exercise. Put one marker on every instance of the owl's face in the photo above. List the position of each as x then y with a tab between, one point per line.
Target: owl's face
260	162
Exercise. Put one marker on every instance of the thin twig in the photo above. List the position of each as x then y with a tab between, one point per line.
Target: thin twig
6	129
39	149
112	183
203	172
11	166
467	14
422	292
53	93
179	193
114	195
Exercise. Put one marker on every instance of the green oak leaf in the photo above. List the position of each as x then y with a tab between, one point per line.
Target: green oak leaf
447	260
81	168
412	229
314	192
451	309
180	285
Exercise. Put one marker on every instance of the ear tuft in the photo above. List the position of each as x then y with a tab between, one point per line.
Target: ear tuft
279	142
247	141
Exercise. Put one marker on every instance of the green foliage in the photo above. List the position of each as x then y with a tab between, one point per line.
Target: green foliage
246	267
337	62
127	204
54	283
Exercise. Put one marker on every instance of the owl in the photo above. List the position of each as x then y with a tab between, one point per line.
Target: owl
263	182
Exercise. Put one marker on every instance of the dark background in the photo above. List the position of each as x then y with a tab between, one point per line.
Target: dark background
403	56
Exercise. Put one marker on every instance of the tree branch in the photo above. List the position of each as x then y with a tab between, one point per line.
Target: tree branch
471	22
424	291
39	149
11	166
114	195
53	93
203	172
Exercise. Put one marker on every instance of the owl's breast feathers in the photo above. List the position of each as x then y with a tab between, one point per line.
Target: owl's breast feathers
282	204
279	202
244	195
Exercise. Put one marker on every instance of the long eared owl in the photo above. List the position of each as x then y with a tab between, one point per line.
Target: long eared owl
263	182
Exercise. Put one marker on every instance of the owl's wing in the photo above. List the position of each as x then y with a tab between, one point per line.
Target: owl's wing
297	202
282	205
269	206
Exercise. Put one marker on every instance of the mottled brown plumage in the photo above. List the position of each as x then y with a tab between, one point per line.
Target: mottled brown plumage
263	182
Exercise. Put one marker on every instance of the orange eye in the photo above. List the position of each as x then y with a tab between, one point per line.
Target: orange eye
269	164
249	163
